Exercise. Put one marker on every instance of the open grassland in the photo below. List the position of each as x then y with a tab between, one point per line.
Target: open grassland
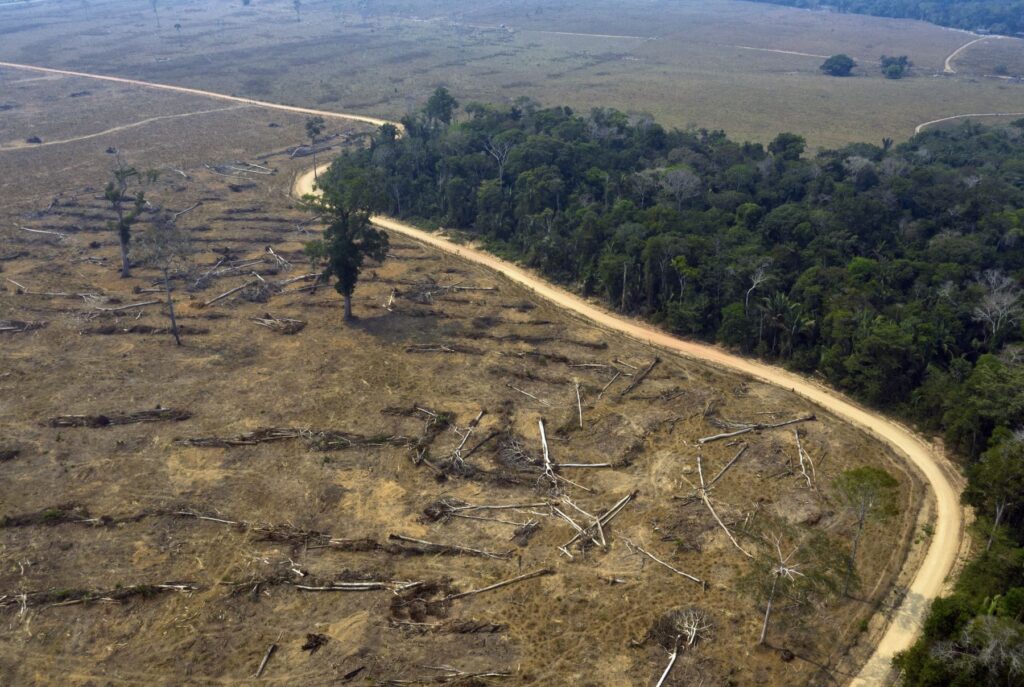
993	57
728	65
315	446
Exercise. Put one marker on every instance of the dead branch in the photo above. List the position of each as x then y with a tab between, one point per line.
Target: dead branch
528	394
671	662
755	428
579	403
186	211
18	326
22	289
449	549
728	465
229	292
281	325
640	549
602	521
443	348
499	585
266	657
59	235
703	493
347	587
155	415
130	306
548	470
640	377
805	460
328	440
453	676
280	262
618	373
73	597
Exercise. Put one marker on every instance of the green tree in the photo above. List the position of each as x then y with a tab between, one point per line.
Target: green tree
350	239
838	65
996	485
895	67
787	146
116	194
440	107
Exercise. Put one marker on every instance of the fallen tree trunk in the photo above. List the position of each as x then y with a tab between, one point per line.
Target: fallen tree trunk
755	428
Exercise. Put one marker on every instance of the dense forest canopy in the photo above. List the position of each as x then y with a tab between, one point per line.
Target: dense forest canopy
993	16
893	271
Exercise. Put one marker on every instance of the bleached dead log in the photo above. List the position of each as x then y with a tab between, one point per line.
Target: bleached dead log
130	306
755	428
640	549
602	520
671	662
346	587
600	541
453	676
528	394
281	263
548	470
229	292
59	235
266	657
728	465
186	211
618	373
579	403
50	294
457	458
703	493
805	460
499	585
302	277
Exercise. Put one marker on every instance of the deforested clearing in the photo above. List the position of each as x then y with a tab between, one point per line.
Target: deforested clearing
465	476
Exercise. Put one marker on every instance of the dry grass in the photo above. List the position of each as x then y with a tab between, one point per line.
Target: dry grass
569	628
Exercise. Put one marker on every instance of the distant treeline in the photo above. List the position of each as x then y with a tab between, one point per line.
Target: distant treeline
994	16
893	271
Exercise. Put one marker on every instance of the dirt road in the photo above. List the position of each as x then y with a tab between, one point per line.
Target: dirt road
930	578
196	91
921	127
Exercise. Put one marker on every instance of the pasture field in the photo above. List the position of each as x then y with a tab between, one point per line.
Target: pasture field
291	458
728	65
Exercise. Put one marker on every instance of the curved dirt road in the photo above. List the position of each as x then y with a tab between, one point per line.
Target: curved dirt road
921	127
930	578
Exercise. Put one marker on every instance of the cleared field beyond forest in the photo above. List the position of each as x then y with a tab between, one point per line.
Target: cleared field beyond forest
730	65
